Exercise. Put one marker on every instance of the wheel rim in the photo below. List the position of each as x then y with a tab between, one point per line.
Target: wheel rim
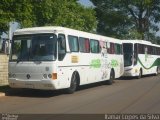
111	76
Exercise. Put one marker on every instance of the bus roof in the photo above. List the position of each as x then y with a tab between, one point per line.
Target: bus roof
137	41
140	42
67	31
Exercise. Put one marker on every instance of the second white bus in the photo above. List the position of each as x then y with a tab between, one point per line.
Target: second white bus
141	58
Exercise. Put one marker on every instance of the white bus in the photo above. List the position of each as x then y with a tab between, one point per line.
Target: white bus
51	58
140	58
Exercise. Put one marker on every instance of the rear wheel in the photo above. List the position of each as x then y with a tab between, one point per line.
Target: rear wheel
73	85
112	77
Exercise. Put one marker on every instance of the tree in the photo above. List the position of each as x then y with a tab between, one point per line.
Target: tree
67	13
33	13
128	17
15	10
111	22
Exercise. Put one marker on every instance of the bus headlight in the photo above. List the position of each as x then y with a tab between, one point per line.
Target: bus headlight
136	70
12	75
45	76
9	75
49	75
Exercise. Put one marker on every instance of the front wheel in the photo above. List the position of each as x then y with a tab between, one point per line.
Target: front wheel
140	74
73	85
157	71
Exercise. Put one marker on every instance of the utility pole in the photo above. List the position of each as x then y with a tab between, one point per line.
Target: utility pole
10	34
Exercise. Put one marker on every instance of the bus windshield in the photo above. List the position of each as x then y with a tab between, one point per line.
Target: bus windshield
128	53
35	47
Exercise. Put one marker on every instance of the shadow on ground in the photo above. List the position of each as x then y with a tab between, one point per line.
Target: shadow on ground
47	93
33	93
135	78
53	93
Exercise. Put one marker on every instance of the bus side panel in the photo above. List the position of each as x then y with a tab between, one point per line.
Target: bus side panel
90	67
146	62
85	64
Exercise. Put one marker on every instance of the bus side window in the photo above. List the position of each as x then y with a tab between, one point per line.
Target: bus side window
94	46
117	49
112	49
141	49
73	43
84	45
61	47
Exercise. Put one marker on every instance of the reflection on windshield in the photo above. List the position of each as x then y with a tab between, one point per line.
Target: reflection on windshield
38	47
128	53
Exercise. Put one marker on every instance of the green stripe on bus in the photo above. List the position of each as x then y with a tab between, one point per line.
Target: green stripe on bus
156	63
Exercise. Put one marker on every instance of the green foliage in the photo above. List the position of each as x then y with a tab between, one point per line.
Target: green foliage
31	13
15	10
128	18
67	13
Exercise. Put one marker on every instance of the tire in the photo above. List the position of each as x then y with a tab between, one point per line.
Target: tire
140	74
73	85
112	77
156	72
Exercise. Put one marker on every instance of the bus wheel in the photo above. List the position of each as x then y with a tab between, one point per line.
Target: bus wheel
73	85
140	74
112	77
157	71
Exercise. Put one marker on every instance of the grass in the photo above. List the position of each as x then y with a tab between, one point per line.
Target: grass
4	88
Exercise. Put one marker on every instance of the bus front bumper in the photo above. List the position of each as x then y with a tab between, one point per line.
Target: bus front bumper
33	84
130	72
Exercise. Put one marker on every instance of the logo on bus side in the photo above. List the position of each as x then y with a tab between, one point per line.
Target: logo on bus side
114	63
95	63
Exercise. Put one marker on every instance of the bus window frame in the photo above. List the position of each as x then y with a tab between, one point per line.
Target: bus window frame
65	50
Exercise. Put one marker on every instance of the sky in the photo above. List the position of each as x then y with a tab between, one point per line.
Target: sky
86	2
